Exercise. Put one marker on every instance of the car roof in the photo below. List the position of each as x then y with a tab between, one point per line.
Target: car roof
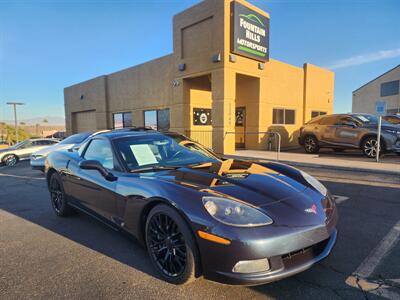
42	139
135	131
344	114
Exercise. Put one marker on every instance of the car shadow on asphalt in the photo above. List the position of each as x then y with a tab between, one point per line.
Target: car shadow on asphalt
78	227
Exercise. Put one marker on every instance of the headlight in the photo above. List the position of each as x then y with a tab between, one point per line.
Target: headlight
314	183
36	157
234	213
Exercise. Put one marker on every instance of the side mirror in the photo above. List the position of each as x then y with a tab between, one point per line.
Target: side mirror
96	165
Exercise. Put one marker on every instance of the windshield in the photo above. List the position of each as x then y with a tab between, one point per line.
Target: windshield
76	138
157	150
20	144
368	119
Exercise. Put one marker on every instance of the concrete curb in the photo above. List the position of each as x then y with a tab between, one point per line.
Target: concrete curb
321	166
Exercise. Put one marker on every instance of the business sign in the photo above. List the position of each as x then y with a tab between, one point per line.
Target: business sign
380	108
249	33
202	116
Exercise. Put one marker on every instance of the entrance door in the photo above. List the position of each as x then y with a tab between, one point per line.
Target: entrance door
240	127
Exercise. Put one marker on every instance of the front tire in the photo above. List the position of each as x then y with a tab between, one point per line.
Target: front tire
171	246
10	160
370	147
311	144
58	198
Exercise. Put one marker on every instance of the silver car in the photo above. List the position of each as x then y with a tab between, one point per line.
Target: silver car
349	131
22	150
38	158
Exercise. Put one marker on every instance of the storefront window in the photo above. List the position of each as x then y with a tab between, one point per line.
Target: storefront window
283	116
122	120
163	119
157	119
317	113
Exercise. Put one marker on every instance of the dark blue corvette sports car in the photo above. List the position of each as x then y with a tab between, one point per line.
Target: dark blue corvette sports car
235	222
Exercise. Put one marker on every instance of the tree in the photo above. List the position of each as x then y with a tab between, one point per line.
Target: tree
45	121
11	136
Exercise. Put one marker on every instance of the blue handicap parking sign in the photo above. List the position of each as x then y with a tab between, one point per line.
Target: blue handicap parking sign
380	107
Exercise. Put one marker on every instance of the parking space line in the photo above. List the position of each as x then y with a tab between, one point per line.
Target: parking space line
381	250
369	264
20	177
339	199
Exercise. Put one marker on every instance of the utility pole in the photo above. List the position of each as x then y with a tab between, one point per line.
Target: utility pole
14	104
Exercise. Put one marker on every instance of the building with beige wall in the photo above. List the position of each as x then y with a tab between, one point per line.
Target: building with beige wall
219	86
385	87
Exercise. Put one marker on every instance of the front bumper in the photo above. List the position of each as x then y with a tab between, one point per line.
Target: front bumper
289	251
37	163
283	266
391	141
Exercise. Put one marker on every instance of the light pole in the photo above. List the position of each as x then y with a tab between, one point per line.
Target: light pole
14	104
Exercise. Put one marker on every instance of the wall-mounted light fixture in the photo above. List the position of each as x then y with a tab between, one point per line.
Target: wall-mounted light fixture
82	97
216	57
232	58
175	83
261	66
182	67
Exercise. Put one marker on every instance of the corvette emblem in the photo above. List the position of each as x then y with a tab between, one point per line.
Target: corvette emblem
312	209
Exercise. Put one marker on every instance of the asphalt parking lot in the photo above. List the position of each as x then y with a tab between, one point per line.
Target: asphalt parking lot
43	256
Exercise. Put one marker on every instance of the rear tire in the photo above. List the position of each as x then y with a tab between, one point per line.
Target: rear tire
311	144
171	245
58	198
10	160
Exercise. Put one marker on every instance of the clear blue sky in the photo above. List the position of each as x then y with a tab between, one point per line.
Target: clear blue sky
48	45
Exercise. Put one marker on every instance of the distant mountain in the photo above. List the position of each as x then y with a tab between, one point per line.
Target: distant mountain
50	121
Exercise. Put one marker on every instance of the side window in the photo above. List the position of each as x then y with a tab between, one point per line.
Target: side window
101	151
283	116
82	148
344	120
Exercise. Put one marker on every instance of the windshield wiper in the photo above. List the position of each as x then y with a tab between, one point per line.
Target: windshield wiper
155	168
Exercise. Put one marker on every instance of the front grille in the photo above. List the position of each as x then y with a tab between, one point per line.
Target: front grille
308	252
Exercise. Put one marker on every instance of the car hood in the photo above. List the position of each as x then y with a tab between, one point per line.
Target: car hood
284	198
250	182
47	150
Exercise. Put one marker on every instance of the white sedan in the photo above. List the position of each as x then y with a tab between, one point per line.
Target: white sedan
22	150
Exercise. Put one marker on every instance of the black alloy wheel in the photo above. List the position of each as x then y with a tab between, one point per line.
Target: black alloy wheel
311	144
10	160
57	196
171	246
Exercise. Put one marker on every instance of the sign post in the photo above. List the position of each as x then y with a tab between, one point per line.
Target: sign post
380	109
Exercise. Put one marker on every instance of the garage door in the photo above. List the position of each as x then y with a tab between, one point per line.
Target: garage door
84	121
